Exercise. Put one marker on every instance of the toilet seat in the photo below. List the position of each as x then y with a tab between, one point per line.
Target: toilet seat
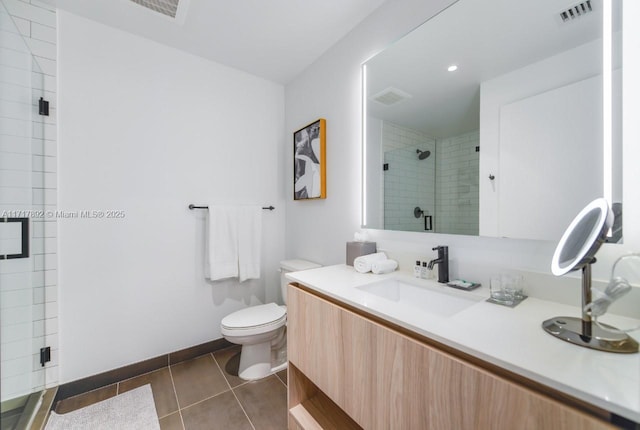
254	320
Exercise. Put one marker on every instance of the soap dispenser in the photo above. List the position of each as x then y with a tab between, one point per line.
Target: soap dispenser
424	271
417	270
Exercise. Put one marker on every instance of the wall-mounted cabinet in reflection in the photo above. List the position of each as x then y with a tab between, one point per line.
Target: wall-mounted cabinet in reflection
507	99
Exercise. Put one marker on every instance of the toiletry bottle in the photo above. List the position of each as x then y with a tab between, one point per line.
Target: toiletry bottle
424	272
417	270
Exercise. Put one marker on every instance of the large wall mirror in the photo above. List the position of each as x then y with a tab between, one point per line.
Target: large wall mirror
495	118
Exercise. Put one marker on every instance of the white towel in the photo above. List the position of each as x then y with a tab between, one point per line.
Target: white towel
223	242
384	266
363	263
249	241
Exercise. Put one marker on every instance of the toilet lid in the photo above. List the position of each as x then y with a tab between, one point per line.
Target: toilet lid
255	316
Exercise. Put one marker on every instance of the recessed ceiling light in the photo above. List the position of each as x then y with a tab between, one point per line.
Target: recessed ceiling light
452	68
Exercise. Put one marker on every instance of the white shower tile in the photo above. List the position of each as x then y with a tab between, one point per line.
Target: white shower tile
37	312
40	48
15	93
38	295
14	350
16	299
38	379
14	76
46	66
15	195
12	25
51	310
15	145
43	82
37	279
15	178
51	294
31	12
15	332
16	367
15	127
50	277
51	325
42	32
15	42
11	57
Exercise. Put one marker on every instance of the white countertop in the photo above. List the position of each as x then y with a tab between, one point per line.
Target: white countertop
511	338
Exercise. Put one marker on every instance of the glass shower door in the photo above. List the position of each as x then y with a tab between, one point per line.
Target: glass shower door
22	223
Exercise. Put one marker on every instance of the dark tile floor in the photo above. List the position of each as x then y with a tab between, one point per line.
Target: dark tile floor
204	393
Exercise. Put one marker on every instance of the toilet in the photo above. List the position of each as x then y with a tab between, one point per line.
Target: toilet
261	330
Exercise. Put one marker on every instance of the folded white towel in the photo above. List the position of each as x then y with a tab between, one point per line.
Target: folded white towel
363	263
249	242
223	242
384	266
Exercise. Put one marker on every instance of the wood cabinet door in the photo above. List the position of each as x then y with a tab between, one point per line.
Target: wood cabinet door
386	380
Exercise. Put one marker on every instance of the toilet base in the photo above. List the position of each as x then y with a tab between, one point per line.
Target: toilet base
256	362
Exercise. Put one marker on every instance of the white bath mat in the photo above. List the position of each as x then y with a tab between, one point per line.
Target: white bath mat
133	410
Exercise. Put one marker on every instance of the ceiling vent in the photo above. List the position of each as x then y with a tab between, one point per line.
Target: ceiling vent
390	96
165	7
576	11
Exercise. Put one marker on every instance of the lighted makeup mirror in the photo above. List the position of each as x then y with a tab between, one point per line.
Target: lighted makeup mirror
576	250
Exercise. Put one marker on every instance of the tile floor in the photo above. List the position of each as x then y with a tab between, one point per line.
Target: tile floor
204	393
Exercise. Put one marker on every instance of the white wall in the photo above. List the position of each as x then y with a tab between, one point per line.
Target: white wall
331	88
534	79
146	129
28	291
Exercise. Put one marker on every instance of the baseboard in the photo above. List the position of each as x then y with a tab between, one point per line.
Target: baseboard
91	383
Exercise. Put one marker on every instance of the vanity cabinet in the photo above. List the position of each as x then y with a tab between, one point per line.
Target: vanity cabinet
349	370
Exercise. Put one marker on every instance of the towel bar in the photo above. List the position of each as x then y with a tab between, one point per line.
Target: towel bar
192	206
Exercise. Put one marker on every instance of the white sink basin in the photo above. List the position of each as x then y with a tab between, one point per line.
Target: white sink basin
426	299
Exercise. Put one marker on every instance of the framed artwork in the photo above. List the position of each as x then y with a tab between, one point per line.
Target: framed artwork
309	161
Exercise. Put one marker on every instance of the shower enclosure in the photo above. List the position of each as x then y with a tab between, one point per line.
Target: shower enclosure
24	223
409	183
431	184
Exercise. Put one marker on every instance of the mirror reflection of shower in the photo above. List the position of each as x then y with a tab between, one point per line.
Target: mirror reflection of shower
422	154
440	175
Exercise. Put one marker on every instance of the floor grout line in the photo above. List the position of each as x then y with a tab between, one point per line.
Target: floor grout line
233	392
142	374
219	365
242	407
175	393
225	375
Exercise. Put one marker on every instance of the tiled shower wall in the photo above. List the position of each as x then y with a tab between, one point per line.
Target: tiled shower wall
28	182
457	193
444	185
409	182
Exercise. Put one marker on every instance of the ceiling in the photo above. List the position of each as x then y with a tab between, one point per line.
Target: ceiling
485	39
274	39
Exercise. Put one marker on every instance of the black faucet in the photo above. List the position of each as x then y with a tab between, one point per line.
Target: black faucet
443	263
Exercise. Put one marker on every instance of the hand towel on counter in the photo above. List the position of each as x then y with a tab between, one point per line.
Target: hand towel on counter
363	263
249	242
223	242
384	266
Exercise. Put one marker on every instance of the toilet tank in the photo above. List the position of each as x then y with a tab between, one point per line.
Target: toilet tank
292	266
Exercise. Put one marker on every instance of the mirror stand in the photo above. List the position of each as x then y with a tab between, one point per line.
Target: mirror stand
582	331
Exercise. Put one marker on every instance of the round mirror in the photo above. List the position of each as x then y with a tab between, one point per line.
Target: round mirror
582	239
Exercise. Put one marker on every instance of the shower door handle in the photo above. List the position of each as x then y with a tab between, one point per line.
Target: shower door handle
428	223
24	238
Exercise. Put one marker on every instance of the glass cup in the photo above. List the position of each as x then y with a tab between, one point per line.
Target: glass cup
501	291
514	284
